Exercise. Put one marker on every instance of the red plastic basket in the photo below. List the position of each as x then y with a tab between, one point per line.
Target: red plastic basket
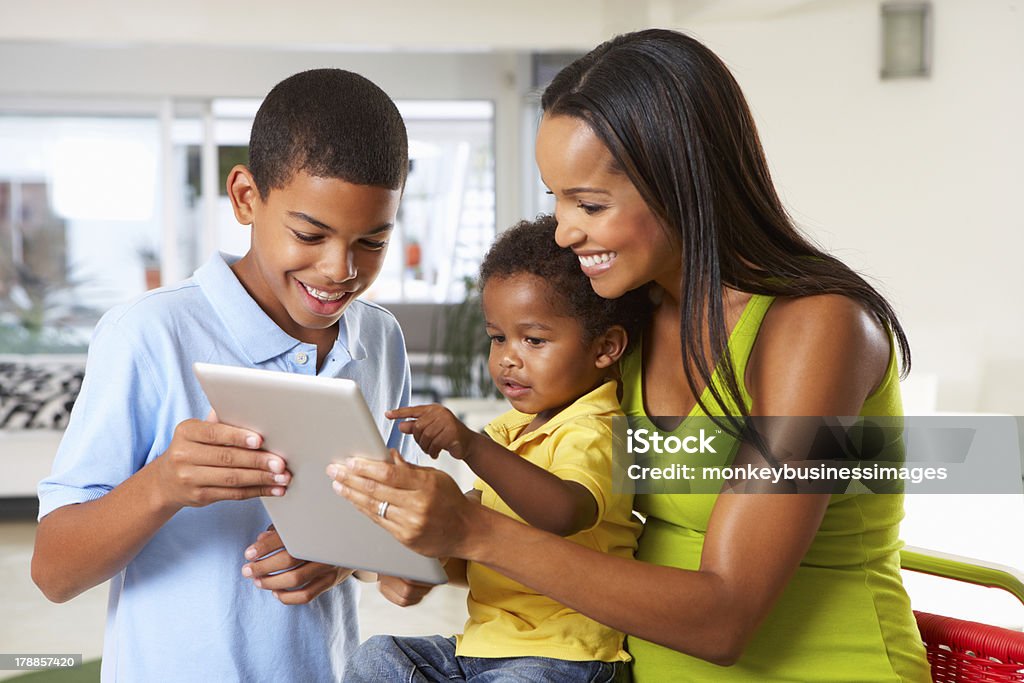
962	651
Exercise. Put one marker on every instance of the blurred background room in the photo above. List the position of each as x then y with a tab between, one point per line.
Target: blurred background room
893	130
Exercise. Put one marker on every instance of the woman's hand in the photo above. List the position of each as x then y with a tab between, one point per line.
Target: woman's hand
425	509
298	581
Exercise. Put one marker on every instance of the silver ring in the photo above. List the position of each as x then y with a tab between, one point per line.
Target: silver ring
382	508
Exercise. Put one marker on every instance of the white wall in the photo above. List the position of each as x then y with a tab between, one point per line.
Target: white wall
916	182
913	181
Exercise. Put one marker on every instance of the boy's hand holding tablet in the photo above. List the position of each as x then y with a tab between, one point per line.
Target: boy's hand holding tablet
269	561
310	423
207	462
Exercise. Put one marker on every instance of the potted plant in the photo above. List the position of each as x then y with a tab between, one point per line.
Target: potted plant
459	347
150	265
38	315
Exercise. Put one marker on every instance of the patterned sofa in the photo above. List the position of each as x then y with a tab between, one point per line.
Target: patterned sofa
36	395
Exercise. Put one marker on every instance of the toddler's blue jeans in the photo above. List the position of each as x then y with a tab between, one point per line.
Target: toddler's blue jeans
392	659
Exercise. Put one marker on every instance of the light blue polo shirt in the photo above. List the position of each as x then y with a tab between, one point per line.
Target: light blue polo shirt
181	610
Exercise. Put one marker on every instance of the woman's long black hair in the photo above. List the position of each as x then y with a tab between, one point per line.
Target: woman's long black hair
677	124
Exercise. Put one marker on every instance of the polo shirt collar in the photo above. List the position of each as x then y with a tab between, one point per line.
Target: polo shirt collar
258	336
349	339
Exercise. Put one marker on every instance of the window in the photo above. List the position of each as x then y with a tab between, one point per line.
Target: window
97	207
78	219
447	220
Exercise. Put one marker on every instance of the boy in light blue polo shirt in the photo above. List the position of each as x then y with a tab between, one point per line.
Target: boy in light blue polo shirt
147	493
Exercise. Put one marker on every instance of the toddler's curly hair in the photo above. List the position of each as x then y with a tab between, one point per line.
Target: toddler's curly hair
529	247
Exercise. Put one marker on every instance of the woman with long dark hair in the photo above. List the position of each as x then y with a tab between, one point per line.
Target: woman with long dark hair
650	151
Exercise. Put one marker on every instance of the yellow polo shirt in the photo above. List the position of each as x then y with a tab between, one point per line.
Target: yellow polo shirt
507	619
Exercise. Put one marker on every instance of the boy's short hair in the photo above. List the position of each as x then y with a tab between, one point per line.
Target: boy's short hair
329	123
529	248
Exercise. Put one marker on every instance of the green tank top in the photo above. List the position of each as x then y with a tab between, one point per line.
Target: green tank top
844	616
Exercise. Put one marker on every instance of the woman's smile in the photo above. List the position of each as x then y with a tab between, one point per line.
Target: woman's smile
596	263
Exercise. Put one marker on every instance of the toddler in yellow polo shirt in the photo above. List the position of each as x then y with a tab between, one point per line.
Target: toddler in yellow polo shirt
555	345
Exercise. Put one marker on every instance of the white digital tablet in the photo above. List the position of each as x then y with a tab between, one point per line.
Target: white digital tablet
312	422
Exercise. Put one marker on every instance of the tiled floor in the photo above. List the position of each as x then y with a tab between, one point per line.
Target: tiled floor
31	624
